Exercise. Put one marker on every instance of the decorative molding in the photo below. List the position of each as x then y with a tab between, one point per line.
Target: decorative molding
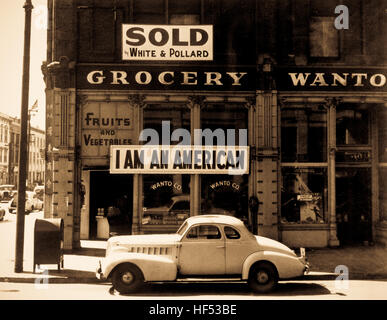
251	102
137	100
333	102
196	100
59	74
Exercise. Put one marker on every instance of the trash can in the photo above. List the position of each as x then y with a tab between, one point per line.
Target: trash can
48	242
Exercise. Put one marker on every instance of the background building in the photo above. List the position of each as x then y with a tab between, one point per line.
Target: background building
312	98
4	147
9	152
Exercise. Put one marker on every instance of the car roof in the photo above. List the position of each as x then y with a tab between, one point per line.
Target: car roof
215	218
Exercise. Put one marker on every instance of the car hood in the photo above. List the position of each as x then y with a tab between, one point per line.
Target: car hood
272	245
153	239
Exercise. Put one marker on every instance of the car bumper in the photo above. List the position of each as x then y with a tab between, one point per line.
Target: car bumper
98	273
304	260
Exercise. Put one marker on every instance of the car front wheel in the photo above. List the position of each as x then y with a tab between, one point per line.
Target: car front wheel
263	277
127	278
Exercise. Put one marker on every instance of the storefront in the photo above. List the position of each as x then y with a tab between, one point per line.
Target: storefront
331	147
161	199
305	100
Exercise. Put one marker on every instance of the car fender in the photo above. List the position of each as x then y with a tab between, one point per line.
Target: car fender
153	267
287	266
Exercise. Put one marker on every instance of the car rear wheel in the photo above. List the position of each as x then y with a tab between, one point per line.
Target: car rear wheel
263	277
127	278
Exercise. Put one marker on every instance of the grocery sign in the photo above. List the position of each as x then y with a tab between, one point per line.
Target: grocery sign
167	42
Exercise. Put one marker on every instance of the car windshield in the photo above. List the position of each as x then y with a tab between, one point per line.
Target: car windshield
182	228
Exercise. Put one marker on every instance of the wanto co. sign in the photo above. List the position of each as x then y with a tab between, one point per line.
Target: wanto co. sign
167	43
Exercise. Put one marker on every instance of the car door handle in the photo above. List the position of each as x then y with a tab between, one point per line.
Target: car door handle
219	247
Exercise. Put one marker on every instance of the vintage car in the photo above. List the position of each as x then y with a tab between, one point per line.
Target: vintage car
32	203
6	192
205	246
178	207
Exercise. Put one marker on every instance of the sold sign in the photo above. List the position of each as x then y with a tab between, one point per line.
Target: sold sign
163	43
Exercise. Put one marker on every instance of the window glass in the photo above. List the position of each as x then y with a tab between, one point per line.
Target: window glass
204	232
225	194
303	195
323	38
382	135
170	117
166	196
219	118
303	134
383	193
231	233
352	126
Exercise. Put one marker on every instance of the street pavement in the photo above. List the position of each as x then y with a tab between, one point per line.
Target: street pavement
362	263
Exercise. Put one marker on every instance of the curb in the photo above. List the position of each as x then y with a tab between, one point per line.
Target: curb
88	280
43	280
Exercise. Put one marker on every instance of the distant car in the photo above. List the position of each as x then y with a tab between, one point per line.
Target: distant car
209	246
178	207
6	192
32	203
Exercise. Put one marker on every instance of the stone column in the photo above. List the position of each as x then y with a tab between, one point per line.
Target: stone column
267	165
331	107
61	179
137	102
195	103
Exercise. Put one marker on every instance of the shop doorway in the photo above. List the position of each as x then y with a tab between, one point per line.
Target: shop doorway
353	205
112	194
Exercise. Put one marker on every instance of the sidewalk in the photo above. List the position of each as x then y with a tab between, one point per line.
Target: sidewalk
78	267
363	262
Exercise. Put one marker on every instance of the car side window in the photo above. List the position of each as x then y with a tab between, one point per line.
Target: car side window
204	232
231	233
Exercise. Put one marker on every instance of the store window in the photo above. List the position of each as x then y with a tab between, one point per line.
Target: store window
383	193
303	195
303	134
166	197
225	193
304	164
382	135
227	122
352	126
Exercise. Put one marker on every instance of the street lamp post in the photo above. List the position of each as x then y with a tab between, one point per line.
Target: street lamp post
20	218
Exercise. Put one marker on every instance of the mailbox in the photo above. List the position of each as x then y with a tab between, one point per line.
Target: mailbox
48	242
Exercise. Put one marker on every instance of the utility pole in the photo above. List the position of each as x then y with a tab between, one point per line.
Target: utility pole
21	198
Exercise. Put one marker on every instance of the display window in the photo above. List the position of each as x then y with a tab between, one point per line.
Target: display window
225	194
228	122
304	195
303	134
383	193
166	199
304	179
352	126
382	135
